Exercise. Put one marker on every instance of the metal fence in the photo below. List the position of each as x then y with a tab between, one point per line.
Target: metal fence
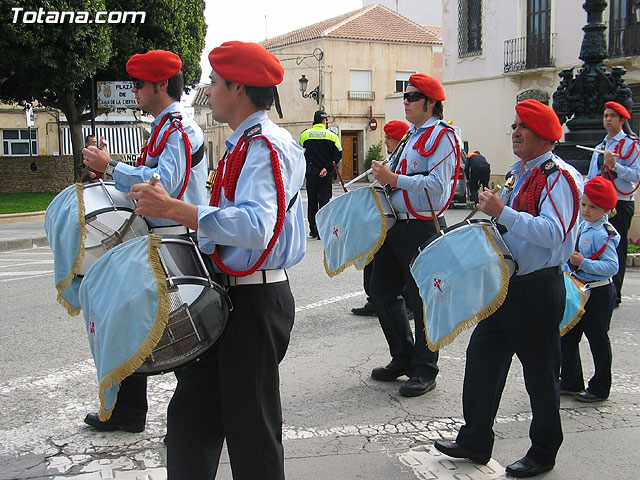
527	53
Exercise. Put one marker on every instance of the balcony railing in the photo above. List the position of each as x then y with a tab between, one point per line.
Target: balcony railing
624	38
355	95
527	53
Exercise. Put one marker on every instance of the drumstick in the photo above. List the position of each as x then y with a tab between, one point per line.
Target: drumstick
495	189
386	160
134	215
118	236
596	150
340	177
433	212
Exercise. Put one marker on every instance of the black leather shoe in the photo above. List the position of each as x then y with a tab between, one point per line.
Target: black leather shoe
588	397
367	310
390	372
527	467
133	426
456	451
314	234
416	386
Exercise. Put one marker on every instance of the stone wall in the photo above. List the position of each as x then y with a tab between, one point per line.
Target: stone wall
35	174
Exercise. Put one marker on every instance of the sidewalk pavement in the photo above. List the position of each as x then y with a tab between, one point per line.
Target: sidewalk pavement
19	231
17	234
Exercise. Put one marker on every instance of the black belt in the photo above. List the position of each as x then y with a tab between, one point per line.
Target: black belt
538	273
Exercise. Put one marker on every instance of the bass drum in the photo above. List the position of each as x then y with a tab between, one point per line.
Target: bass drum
199	307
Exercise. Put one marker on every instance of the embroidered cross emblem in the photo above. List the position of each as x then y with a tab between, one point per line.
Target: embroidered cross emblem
92	327
335	232
436	283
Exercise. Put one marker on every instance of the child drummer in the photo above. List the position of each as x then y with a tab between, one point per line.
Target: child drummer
594	264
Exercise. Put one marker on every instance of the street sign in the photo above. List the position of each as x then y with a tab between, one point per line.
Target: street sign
373	124
116	95
28	112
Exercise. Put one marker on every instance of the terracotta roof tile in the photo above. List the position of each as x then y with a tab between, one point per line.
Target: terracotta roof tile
372	23
200	100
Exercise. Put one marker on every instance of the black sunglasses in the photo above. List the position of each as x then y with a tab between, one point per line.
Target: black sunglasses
413	96
138	84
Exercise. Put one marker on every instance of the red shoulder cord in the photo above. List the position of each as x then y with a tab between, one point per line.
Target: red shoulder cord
606	171
229	181
154	151
537	181
419	147
599	252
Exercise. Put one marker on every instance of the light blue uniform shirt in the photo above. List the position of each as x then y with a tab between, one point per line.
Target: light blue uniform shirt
538	242
438	182
628	170
242	228
170	164
592	236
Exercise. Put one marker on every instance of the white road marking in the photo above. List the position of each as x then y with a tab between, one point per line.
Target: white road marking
328	301
37	262
25	278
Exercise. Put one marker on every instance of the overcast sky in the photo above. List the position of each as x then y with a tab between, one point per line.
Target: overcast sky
245	19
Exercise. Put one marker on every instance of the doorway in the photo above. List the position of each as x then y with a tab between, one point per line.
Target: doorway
350	154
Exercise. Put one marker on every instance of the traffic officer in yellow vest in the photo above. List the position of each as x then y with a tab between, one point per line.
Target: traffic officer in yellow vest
321	149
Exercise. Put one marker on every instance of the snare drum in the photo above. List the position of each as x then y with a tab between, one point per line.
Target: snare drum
463	276
106	211
199	307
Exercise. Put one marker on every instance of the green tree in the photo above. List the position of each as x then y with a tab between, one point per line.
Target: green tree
54	63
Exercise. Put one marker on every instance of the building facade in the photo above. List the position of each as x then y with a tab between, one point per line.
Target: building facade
353	66
498	52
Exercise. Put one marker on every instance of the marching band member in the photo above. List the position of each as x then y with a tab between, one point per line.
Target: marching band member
621	165
593	263
393	133
427	161
539	216
254	229
175	151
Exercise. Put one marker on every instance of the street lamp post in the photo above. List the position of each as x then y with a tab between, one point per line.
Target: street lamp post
315	93
303	81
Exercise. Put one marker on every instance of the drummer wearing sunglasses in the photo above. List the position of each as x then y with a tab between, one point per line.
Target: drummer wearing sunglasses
179	160
427	160
539	216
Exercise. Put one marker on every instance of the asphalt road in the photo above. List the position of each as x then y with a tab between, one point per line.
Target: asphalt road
338	423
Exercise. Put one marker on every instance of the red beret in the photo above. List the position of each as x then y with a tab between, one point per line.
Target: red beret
624	113
540	118
247	64
600	191
154	66
396	129
427	85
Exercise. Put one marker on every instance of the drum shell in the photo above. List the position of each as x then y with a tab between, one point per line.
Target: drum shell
199	307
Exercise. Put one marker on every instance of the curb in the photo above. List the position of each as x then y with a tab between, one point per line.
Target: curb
21	217
23	243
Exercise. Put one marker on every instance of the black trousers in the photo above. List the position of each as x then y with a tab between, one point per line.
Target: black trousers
131	403
595	325
621	221
477	177
390	276
318	195
233	393
526	324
